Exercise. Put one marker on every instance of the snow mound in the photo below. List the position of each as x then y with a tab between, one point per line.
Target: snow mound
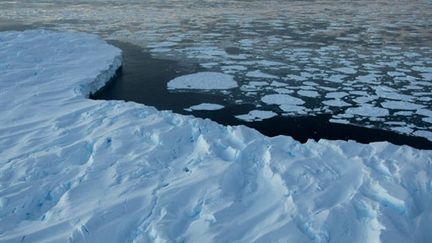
203	81
80	170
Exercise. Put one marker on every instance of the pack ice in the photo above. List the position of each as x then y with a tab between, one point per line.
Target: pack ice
80	170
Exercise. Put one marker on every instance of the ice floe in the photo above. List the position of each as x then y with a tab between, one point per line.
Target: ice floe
256	115
401	105
281	99
203	81
205	107
368	111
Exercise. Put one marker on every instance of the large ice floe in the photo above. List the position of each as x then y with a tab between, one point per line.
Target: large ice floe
79	170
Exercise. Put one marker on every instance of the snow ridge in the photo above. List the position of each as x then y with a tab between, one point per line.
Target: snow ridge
80	170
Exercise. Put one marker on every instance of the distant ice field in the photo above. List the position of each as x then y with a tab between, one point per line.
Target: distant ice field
366	63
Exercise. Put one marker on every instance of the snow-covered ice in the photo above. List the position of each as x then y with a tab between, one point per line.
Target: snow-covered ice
259	74
79	170
205	107
203	81
401	105
308	93
336	103
281	99
256	115
368	110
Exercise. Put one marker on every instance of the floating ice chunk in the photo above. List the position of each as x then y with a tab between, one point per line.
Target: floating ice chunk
161	50
336	95
403	130
209	64
247	42
278	84
401	105
259	74
340	121
258	83
283	91
296	77
204	52
424	133
346	70
203	81
281	99
424	112
336	78
256	115
234	68
309	83
308	93
364	99
422	69
269	63
163	44
293	108
368	110
205	107
403	113
336	103
427	119
391	94
369	78
427	76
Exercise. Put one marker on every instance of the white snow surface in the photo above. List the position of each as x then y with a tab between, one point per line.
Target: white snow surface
80	170
205	107
281	99
256	115
203	81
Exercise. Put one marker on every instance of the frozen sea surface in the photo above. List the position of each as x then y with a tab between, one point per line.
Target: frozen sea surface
80	170
313	48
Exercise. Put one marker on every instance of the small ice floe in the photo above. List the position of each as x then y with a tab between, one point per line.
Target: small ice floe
278	84
346	70
336	103
336	78
336	95
369	78
401	129
293	109
389	93
400	105
256	115
203	81
424	112
340	121
424	133
259	74
368	110
286	103
308	93
281	99
205	107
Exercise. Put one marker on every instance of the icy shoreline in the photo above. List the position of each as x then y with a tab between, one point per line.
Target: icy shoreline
74	169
